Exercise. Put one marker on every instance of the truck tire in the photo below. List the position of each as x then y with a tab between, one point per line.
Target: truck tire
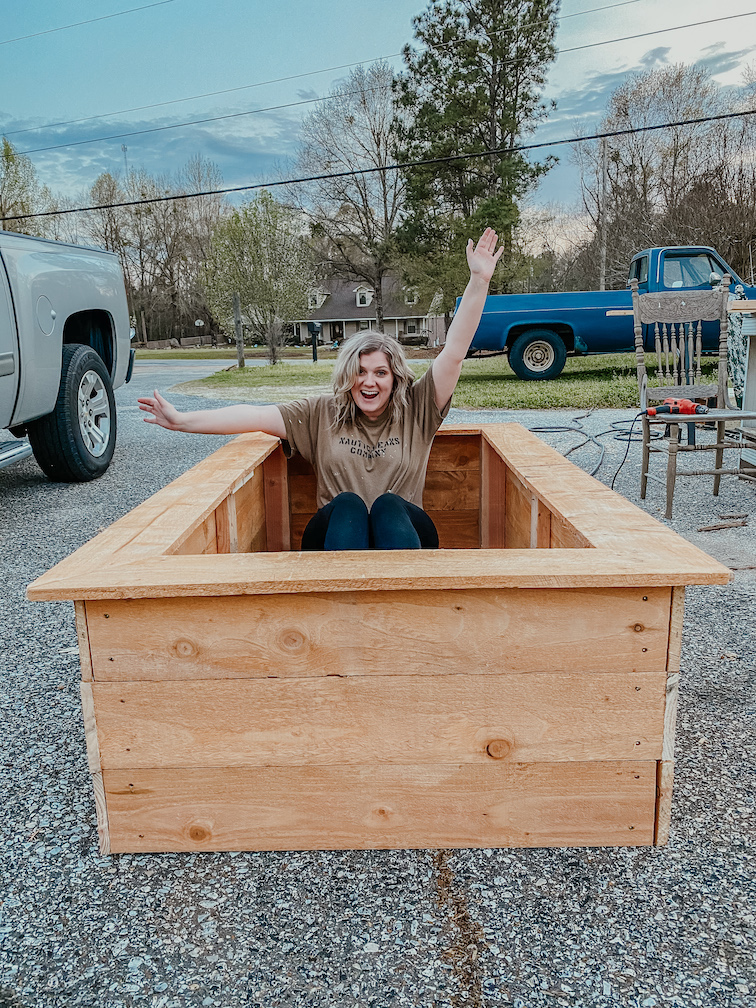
75	442
537	355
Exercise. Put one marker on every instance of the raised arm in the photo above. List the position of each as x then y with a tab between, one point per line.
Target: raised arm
227	420
481	259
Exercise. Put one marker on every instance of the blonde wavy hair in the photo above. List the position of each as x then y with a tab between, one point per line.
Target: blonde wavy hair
348	367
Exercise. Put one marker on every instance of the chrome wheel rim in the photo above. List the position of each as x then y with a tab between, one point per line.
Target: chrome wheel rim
94	413
539	356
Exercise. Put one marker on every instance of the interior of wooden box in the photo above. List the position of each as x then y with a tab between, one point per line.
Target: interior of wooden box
474	498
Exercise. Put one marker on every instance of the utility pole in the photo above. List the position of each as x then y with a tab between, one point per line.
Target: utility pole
124	148
602	218
239	331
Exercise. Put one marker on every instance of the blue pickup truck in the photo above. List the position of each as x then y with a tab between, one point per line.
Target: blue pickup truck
538	331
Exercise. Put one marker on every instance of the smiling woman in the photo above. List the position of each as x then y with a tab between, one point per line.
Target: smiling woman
370	440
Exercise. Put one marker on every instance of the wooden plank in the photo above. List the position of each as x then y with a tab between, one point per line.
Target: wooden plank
250	513
563	535
452	490
225	526
457	529
382	807
302	495
663	818
85	656
202	540
388	570
525	718
492	498
517	515
476	631
95	767
676	619
670	715
453	452
276	491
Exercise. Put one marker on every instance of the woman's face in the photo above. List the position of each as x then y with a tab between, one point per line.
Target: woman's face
372	386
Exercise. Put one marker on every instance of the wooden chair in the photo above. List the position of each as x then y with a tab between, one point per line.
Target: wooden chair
676	319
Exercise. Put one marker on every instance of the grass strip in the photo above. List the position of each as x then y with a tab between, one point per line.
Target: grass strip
600	381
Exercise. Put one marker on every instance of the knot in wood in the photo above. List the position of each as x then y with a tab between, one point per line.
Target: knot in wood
292	640
198	833
638	627
499	748
185	648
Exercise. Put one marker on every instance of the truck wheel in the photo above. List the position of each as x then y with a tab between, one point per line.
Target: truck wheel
537	354
75	442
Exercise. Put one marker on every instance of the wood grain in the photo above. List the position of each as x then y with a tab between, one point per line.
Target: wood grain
492	498
276	488
476	631
382	807
250	513
676	620
82	636
525	718
226	527
664	784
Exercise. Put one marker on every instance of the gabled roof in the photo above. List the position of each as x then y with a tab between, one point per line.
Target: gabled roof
341	303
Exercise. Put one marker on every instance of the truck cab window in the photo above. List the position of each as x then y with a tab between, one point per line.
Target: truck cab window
639	270
687	271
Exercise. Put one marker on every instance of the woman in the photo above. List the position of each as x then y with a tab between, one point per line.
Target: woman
369	442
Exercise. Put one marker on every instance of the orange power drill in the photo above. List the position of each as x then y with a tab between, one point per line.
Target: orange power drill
686	406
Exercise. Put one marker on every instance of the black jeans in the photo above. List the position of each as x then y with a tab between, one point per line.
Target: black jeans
391	523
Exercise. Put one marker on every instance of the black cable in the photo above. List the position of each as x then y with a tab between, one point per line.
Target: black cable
77	24
275	80
627	449
385	168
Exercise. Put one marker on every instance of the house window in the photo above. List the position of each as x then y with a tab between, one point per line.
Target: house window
410	297
411	327
362	299
363	296
363	325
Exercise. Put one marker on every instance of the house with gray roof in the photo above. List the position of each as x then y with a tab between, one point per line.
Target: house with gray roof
345	307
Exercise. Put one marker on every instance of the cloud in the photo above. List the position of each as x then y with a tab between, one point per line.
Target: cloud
655	58
720	61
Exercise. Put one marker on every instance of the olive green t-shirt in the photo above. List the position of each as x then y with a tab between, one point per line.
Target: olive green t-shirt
369	457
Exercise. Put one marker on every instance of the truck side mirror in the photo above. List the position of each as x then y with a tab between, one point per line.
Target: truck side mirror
714	279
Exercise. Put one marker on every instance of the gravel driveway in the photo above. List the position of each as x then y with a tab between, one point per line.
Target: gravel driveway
569	927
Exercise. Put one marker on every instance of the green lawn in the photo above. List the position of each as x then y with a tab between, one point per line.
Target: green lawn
604	380
227	353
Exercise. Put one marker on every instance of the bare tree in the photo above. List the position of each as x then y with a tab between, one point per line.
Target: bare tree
690	184
353	219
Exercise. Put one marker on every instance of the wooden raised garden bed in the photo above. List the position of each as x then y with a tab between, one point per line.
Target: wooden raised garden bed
516	687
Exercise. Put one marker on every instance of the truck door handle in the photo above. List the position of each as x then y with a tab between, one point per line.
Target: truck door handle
7	364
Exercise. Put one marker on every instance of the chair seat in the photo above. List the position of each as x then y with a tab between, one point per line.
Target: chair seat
683	392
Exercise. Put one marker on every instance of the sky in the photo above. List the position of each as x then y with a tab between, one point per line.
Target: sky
167	53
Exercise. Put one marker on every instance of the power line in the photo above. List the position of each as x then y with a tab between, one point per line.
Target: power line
310	101
393	167
276	80
77	24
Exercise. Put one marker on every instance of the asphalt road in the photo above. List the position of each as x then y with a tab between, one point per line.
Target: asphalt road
629	927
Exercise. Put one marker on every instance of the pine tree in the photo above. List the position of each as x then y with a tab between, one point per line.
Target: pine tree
474	86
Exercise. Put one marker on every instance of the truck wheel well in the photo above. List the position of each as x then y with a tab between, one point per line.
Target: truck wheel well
560	328
94	328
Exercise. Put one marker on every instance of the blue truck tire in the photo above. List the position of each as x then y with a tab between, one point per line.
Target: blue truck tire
537	355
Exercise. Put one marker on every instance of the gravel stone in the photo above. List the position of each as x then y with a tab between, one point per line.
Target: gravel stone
588	927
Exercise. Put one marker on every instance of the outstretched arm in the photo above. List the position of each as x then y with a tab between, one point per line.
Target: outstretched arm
482	259
226	420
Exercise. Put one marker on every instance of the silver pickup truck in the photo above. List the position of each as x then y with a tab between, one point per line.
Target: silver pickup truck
64	346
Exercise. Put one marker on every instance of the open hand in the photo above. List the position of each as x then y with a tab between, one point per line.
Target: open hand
482	258
161	411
